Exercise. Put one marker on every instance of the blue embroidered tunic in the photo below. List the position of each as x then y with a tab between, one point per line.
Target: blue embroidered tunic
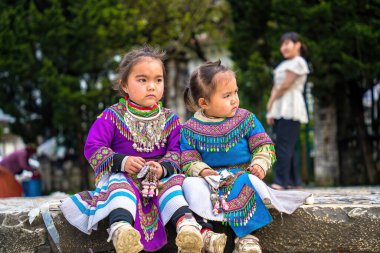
234	144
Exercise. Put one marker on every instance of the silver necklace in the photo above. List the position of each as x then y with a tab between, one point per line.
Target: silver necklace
147	132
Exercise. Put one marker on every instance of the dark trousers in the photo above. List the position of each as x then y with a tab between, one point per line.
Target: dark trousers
295	177
286	132
120	214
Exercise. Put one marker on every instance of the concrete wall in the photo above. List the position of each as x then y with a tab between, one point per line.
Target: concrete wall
326	165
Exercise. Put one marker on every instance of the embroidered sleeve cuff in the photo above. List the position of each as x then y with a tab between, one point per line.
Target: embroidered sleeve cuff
262	163
197	167
118	164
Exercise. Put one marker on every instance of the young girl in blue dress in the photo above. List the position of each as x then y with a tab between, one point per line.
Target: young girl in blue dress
225	154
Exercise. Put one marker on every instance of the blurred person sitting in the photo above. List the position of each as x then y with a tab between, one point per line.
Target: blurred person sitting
12	164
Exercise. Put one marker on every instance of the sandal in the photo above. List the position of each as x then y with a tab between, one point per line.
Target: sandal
277	187
189	238
125	238
247	244
292	187
214	242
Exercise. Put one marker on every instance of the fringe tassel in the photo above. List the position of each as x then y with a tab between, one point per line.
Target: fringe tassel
172	121
242	216
118	120
104	168
213	143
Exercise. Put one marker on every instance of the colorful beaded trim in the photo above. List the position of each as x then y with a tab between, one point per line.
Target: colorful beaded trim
149	221
139	110
258	139
116	113
174	158
101	161
220	136
241	208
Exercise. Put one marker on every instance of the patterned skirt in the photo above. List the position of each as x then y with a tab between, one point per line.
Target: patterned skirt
246	210
85	209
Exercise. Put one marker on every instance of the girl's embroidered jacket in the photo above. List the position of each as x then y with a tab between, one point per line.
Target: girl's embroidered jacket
239	141
110	140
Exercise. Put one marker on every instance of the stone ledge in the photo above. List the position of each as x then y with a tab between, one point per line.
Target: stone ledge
340	220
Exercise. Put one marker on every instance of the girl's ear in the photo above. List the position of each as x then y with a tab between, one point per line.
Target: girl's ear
298	45
202	102
124	86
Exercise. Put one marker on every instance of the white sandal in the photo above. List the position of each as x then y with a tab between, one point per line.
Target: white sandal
247	244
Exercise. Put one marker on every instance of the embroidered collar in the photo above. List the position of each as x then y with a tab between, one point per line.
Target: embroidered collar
116	113
202	117
141	111
214	136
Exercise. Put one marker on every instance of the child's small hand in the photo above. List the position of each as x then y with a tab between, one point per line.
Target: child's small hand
208	172
156	168
134	164
257	171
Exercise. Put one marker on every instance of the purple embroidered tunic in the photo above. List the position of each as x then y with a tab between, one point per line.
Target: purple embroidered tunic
108	142
109	135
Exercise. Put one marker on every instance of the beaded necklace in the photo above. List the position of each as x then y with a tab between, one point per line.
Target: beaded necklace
145	112
146	125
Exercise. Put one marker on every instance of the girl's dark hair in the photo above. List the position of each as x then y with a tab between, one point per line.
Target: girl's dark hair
295	37
130	59
202	83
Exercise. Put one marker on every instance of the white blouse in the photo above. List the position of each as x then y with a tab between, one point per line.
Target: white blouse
291	105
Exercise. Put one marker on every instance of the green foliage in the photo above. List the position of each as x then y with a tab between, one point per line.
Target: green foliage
57	56
180	24
47	49
342	38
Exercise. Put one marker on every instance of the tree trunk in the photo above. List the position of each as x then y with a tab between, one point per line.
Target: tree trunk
176	81
83	164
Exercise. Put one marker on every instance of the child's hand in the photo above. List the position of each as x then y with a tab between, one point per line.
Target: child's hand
134	164
257	171
208	172
156	168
